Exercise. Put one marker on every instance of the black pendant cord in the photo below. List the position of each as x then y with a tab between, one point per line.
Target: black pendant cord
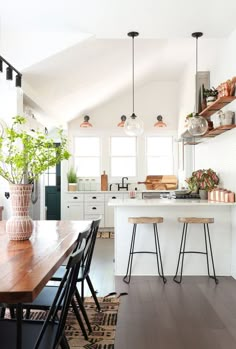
196	35
133	35
196	109
133	70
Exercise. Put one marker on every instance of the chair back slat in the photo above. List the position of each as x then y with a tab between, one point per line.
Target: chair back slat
89	248
64	295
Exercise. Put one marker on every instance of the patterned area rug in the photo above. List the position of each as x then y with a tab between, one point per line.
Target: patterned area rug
105	235
103	324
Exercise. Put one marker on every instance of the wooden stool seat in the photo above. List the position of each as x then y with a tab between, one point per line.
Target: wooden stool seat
197	220
157	252
208	248
145	220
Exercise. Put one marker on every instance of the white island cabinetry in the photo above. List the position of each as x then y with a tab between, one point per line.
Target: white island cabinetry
222	235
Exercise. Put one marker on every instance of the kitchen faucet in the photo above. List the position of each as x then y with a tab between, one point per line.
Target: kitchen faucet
123	185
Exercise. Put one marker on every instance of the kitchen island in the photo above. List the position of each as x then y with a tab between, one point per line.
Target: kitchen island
170	234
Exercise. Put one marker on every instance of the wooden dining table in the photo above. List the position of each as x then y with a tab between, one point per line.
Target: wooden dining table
27	266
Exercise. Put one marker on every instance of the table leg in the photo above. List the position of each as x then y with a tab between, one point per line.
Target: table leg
19	326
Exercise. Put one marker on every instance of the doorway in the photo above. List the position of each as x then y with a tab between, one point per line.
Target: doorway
53	192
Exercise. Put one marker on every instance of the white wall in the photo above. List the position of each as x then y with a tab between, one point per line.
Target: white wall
151	100
9	104
219	153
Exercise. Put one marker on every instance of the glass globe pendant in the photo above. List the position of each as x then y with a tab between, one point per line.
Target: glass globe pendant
133	125
197	125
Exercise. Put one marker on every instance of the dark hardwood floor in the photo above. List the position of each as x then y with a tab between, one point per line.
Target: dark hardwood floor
194	315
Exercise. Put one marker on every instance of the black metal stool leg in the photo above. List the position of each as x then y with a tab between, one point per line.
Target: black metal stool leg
206	229
181	252
158	253
127	277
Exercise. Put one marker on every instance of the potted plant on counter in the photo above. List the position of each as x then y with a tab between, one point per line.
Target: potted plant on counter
24	156
203	181
72	179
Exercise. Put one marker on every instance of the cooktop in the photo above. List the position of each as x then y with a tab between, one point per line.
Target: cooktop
188	196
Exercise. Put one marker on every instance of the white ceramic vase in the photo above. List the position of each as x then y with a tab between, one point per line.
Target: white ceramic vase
20	225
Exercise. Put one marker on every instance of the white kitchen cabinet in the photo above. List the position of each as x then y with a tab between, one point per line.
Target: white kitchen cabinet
94	207
91	205
74	211
73	206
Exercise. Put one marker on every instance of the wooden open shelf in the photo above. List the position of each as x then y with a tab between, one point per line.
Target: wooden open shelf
218	130
217	105
211	109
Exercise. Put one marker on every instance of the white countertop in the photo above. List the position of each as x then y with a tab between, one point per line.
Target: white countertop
167	202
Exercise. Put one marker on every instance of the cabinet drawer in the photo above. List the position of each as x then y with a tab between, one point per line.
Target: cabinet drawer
90	217
94	208
74	197
93	197
113	197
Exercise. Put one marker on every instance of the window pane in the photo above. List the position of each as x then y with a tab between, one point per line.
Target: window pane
123	166
52	179
123	146
159	146
87	167
159	165
52	169
87	146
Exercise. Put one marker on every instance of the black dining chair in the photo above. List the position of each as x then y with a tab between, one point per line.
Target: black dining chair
86	263
47	334
45	298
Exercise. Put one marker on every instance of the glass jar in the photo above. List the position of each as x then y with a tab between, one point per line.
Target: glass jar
87	184
81	184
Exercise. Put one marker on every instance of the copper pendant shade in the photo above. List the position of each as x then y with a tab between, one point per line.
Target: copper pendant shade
86	123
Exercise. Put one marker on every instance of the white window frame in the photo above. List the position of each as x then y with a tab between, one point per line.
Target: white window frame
86	156
171	155
135	156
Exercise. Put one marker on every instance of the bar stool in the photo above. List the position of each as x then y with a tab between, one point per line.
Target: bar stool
157	252
182	252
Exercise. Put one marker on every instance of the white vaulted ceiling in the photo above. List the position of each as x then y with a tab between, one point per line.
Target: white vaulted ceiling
75	55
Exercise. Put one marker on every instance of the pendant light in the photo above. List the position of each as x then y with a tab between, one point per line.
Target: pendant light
160	122
133	125
122	122
86	123
197	125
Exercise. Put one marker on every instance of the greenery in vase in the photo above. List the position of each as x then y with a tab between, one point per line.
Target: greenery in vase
203	179
71	175
24	157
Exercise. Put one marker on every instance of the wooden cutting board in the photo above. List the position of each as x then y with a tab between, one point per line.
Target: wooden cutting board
161	182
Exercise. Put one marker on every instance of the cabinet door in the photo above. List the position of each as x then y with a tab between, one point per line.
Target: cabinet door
109	211
74	211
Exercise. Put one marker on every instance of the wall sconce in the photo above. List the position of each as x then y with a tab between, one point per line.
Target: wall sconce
159	122
86	123
9	71
122	122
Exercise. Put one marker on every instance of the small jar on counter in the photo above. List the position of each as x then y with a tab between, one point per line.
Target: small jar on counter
81	184
231	196
87	184
217	194
226	196
222	195
93	185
